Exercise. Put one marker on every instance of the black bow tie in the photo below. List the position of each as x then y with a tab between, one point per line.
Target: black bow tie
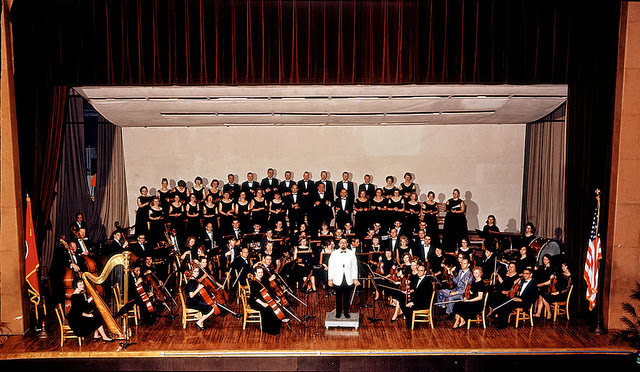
343	251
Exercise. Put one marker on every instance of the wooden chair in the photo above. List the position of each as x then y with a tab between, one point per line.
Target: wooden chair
188	315
425	315
522	314
482	317
131	314
249	315
561	307
65	330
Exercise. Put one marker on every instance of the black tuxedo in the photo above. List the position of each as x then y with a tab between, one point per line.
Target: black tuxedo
389	245
250	191
75	226
328	188
241	268
270	186
207	241
295	209
308	188
141	250
349	186
233	190
321	210
420	297
371	190
425	253
528	296
84	244
284	189
343	215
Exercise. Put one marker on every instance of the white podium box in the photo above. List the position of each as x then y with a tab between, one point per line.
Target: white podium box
330	320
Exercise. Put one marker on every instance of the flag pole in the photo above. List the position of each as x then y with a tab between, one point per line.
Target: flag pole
599	329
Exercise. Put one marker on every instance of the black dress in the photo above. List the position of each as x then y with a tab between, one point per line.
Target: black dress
393	216
469	310
83	326
225	221
142	215
430	213
196	302
377	213
455	226
270	323
407	190
387	193
193	221
361	220
260	217
198	193
177	221
182	194
209	216
156	227
563	286
165	199
412	216
244	216
278	213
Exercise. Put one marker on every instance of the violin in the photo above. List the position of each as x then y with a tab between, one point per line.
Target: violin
143	294
467	291
553	282
514	289
268	299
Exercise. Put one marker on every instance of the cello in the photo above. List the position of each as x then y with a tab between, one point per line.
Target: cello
217	290
268	299
143	294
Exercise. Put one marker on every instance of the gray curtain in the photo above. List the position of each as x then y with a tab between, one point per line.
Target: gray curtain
544	175
109	203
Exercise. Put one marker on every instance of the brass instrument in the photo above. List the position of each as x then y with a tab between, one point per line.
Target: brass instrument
90	279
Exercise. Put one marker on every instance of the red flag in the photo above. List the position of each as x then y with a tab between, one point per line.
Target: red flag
31	264
594	254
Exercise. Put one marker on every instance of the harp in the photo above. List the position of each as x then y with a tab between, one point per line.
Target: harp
89	281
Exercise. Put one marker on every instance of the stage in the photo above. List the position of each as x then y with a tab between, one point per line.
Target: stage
223	345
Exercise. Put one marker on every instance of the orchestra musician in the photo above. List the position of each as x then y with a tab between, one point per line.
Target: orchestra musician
241	266
557	292
525	260
305	260
85	246
420	295
460	282
527	295
194	300
83	318
343	276
258	290
529	234
506	284
490	233
141	247
422	247
78	224
471	304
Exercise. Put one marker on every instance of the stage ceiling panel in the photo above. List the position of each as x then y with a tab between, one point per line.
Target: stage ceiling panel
323	105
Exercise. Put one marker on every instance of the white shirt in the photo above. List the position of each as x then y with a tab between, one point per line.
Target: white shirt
524	285
343	265
344	203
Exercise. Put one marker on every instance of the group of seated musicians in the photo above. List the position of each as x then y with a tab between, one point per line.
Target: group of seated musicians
400	258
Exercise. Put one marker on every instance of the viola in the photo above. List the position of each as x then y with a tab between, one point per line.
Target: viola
143	294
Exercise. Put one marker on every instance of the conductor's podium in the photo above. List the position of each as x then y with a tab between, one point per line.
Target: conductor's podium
330	320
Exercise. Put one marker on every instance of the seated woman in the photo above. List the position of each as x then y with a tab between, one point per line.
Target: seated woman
270	322
194	298
543	274
506	284
559	290
471	305
525	260
403	249
83	318
305	260
407	281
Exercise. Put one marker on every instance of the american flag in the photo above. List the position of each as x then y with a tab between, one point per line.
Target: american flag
594	254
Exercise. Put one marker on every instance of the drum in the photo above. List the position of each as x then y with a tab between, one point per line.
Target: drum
544	246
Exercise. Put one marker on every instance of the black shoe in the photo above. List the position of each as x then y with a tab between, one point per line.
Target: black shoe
107	340
338	316
346	315
392	320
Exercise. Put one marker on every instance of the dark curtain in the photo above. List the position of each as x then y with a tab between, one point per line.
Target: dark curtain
161	42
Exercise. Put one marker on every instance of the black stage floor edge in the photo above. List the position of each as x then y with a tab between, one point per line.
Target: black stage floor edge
540	362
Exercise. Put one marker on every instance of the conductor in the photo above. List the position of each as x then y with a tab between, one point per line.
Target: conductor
343	275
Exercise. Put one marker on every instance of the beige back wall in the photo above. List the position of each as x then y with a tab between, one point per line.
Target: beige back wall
484	161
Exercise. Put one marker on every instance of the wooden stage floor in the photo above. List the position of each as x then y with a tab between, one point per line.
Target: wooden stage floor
224	338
